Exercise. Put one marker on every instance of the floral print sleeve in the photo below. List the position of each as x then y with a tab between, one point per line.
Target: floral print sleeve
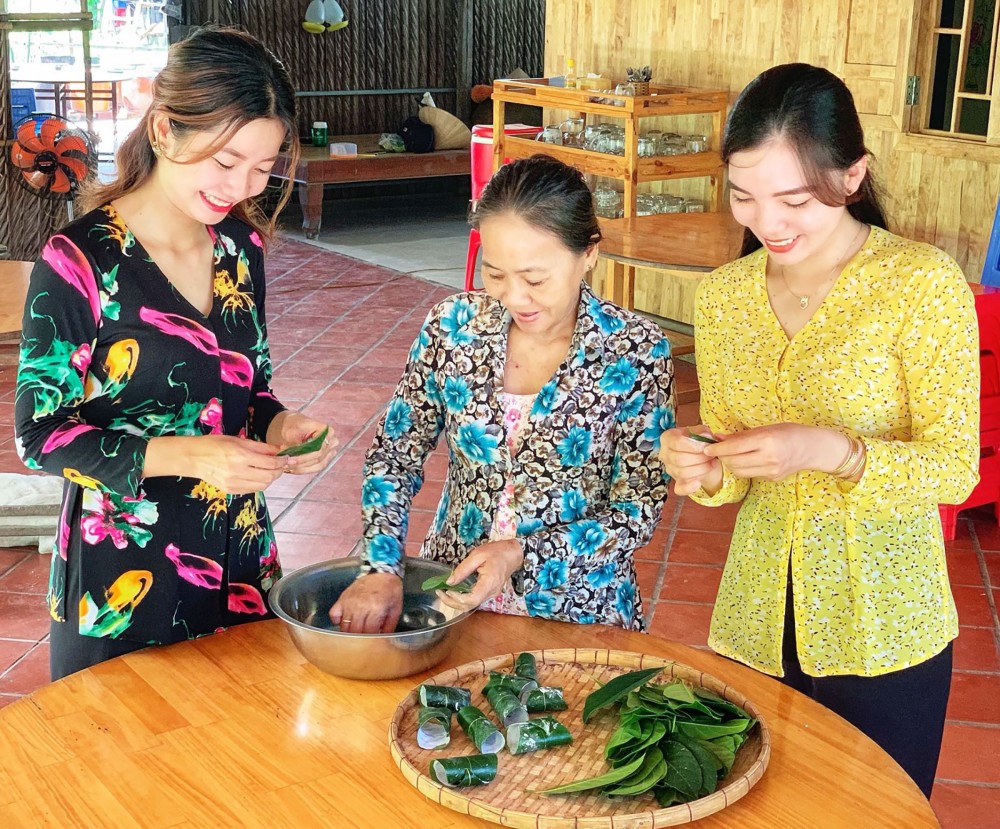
393	471
67	297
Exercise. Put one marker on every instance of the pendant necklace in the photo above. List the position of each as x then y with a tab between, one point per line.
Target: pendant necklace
804	298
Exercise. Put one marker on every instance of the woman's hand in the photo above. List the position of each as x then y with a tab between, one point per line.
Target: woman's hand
773	453
372	604
290	428
687	462
494	563
234	465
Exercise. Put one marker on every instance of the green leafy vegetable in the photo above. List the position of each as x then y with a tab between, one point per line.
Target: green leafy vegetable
440	582
312	445
702	438
611	692
673	740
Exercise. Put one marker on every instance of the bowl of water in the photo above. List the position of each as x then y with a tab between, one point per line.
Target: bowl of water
422	638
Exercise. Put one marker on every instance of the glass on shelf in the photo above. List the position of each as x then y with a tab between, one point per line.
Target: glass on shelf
696	143
694	206
647	146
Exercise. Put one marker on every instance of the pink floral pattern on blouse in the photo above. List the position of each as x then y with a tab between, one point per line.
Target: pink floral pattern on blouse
516	409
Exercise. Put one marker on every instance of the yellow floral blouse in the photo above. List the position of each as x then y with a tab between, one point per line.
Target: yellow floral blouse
892	357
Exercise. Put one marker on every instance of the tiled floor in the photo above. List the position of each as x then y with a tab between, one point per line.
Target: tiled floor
340	330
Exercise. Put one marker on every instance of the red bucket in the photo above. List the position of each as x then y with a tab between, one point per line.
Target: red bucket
482	151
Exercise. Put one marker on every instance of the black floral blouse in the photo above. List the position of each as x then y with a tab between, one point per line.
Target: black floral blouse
588	486
111	356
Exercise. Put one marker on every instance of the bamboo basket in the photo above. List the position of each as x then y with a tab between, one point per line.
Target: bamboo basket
506	800
641	87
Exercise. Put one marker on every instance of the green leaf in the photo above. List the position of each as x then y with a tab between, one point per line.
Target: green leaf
724	750
440	582
676	690
667	796
709	764
651	772
683	770
625	753
614	690
312	445
598	782
705	731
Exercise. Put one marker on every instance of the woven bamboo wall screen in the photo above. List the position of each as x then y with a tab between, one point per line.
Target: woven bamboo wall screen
389	44
933	192
26	221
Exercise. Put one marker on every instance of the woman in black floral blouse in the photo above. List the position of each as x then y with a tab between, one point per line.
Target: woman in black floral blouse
552	402
144	376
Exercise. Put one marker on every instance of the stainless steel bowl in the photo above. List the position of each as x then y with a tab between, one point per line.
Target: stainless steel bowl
423	637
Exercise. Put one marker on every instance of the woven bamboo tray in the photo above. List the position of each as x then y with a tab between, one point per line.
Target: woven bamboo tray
506	800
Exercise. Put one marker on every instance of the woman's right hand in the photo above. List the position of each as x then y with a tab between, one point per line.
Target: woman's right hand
372	604
685	460
235	465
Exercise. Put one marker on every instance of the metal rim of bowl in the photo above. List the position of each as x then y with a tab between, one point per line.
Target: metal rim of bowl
274	596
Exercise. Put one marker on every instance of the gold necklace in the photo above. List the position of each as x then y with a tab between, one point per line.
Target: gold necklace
804	299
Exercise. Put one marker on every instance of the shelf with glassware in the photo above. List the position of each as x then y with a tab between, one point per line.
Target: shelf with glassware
625	155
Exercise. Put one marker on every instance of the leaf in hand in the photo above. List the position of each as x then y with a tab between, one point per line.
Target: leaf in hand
440	582
314	444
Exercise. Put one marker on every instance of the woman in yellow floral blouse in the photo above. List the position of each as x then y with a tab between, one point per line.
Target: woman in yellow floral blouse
839	372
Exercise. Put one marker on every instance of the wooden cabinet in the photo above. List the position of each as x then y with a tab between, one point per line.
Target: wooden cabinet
630	168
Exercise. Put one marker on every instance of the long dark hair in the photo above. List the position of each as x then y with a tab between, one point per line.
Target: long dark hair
813	110
215	78
548	195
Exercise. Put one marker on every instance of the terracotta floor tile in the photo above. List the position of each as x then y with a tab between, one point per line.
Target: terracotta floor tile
961	806
311	517
10	556
715	519
963	567
655	551
298	550
694	547
29	674
23	616
969	753
334	487
987	533
993	568
681	622
976	650
30	576
648	573
975	698
288	486
973	606
11	650
690	583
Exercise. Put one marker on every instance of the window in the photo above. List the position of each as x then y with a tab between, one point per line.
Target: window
959	94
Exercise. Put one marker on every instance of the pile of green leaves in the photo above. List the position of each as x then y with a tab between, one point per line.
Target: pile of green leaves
674	740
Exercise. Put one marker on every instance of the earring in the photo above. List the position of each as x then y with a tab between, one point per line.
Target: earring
157	149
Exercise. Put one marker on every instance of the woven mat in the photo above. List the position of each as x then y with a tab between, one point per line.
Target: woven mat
509	799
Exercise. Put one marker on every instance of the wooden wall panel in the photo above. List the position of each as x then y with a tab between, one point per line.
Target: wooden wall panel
930	195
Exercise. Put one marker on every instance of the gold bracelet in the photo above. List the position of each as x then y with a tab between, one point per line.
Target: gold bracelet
850	459
859	464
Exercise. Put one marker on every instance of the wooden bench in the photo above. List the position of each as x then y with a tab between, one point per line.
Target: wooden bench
317	168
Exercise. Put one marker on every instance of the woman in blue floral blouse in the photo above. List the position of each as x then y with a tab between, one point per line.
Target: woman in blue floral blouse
552	402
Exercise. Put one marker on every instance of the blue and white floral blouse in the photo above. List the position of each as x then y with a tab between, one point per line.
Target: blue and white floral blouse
589	486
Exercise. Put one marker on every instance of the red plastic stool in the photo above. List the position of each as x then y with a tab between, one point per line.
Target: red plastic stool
482	171
987	491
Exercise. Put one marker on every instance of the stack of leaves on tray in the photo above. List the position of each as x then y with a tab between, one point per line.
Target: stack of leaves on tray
511	696
672	739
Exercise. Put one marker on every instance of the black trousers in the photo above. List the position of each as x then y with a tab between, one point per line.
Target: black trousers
903	711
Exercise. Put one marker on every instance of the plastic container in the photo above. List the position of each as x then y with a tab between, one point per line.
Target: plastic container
319	136
343	148
482	151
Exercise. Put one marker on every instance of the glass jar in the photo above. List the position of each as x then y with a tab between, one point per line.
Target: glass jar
696	143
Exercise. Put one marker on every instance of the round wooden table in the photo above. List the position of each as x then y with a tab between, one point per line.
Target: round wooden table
238	731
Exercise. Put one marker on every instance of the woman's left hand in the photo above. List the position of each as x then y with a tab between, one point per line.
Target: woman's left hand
773	453
290	428
494	563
